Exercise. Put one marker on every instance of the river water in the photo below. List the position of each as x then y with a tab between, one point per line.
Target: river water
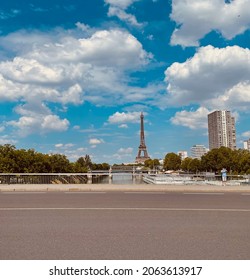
120	178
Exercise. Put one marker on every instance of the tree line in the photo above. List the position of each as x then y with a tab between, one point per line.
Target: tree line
14	160
235	161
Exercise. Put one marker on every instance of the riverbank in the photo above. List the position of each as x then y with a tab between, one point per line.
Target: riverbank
122	188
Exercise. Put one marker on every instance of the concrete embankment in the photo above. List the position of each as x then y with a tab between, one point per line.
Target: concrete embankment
122	188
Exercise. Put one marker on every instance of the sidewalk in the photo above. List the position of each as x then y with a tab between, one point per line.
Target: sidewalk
123	188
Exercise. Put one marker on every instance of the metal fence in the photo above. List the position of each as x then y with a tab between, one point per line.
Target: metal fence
94	177
44	178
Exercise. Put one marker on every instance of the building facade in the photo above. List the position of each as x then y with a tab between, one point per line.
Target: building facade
221	130
246	144
197	151
183	154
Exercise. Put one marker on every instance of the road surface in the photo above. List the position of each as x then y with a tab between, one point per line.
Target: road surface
124	225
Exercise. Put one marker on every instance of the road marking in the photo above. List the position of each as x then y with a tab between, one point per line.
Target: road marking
83	192
207	193
24	192
128	209
144	192
245	194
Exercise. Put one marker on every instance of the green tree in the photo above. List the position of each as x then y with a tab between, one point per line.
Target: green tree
105	166
59	164
244	161
172	161
8	161
216	159
31	161
83	164
185	164
152	163
194	165
38	162
100	166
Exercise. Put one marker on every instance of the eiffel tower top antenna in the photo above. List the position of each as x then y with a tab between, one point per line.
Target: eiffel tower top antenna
142	148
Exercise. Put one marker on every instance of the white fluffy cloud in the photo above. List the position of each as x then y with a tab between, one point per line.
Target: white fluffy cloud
196	18
30	71
246	134
104	48
123	4
5	139
37	118
68	150
60	145
122	15
118	8
212	78
125	151
62	68
95	141
123	125
130	117
9	90
191	119
64	146
122	153
39	124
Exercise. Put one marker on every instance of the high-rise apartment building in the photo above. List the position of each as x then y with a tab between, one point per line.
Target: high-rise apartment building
221	130
246	144
197	151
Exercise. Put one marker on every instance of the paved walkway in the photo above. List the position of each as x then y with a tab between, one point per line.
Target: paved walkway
124	188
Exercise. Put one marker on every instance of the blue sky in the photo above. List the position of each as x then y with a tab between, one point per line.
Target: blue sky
75	75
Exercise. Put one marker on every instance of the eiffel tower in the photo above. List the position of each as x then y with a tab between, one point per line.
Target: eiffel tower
142	147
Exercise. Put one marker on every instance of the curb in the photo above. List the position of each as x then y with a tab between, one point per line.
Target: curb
123	188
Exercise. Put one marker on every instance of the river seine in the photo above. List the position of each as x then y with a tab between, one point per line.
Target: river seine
121	178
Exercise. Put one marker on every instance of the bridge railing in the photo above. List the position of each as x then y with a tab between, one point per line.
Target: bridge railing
46	178
93	176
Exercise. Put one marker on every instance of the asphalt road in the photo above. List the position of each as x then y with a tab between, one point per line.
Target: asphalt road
124	225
